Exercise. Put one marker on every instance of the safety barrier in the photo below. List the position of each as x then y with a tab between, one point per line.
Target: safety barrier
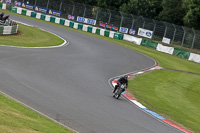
194	57
132	39
3	6
12	27
181	53
165	49
8	30
112	34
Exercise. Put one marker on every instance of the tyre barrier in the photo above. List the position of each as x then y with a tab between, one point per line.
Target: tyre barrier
8	30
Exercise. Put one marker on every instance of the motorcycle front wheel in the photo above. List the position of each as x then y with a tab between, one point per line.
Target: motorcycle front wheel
117	93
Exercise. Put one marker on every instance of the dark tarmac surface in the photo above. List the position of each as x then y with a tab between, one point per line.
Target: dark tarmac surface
70	83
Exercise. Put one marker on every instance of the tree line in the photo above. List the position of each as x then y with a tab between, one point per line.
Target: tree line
180	12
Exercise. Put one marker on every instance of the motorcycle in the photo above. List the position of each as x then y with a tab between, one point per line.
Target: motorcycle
119	90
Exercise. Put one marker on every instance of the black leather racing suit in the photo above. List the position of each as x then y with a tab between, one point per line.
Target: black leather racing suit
122	80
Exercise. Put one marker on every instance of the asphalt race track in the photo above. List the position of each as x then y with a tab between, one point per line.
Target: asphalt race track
70	83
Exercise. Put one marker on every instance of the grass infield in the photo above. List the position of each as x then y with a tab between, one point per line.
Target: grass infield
174	95
30	37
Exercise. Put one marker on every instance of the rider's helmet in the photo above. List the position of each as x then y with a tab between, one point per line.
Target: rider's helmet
126	76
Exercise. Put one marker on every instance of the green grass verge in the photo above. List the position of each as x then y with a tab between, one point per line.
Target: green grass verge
15	118
31	37
174	95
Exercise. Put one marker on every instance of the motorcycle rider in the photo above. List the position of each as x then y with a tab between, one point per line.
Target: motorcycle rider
1	16
122	80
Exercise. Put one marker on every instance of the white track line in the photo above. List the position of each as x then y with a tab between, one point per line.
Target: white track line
63	44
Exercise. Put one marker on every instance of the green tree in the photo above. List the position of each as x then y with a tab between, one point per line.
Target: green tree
90	2
172	12
130	7
111	4
192	18
145	8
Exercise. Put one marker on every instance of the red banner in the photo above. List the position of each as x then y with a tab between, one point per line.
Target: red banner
102	25
115	28
108	26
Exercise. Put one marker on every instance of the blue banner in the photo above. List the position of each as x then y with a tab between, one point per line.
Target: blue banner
123	30
132	32
18	3
71	17
8	1
23	5
28	6
81	19
86	20
54	13
91	21
41	9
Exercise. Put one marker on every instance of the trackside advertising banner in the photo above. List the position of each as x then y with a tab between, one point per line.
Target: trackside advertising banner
86	20
145	33
71	17
28	6
38	8
54	13
131	31
115	28
109	26
166	40
102	25
8	1
18	3
41	9
123	30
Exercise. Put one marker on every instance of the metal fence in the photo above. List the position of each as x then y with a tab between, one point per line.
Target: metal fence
179	35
